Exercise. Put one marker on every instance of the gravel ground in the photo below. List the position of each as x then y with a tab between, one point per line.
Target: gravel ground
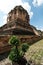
5	61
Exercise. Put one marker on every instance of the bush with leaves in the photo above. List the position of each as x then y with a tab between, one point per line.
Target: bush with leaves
18	50
24	47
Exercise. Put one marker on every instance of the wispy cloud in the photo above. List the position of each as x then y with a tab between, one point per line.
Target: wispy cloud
37	2
4	19
39	28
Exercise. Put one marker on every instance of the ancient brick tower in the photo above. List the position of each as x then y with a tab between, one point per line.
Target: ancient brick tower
17	24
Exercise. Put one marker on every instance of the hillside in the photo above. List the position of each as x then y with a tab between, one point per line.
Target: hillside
34	54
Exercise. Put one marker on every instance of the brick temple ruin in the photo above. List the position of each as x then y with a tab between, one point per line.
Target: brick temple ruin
18	23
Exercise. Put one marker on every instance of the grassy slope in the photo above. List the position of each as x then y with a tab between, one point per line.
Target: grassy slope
35	52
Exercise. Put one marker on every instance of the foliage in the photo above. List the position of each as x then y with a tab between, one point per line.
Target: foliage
25	46
14	55
14	41
17	52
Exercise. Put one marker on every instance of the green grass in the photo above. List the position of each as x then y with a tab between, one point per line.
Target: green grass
35	53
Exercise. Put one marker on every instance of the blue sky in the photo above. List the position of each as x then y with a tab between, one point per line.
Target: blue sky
34	8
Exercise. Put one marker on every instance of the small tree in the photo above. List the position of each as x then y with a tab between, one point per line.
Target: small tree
14	41
14	54
17	52
25	46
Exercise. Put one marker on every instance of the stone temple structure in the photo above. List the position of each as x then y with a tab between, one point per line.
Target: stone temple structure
18	23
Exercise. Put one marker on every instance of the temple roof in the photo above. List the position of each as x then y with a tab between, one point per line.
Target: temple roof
18	13
19	8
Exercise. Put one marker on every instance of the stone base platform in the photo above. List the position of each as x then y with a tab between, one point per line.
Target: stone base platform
4	46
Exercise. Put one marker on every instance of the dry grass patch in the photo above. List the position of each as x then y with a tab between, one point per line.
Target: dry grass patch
35	53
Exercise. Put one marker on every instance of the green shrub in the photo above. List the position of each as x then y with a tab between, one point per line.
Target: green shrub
14	55
14	41
25	46
17	52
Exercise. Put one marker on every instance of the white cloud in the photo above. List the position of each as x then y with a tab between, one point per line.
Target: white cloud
31	14
37	2
39	28
7	5
5	19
